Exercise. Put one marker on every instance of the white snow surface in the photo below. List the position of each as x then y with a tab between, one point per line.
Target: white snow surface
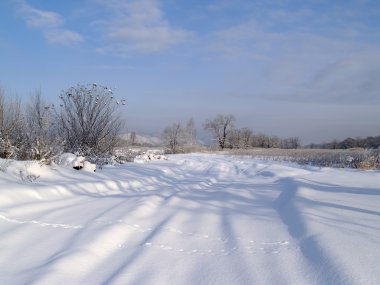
192	219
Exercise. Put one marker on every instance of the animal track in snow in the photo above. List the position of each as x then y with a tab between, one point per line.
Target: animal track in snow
40	223
274	248
248	245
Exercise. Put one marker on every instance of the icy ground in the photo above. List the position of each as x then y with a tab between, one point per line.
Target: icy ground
193	219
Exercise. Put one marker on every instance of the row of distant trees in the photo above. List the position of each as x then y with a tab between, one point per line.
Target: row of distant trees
368	143
86	121
222	128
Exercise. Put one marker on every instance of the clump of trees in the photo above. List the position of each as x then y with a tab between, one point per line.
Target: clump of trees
177	138
86	121
227	136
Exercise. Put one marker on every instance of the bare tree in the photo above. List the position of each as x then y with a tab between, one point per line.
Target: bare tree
38	121
1	110
191	132
220	127
12	132
133	138
88	119
173	137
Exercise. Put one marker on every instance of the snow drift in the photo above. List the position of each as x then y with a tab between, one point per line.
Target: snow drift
192	219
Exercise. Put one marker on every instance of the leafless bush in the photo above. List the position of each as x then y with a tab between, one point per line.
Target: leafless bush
173	137
88	119
39	128
12	128
124	155
4	163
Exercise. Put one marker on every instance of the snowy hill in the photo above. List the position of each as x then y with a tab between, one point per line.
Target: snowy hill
192	219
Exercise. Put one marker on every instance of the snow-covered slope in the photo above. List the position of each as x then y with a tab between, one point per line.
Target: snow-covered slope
192	219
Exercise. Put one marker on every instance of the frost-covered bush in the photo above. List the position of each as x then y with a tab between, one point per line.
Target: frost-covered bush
7	150
151	155
126	155
88	119
4	163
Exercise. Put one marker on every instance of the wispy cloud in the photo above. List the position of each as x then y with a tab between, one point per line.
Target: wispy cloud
51	24
138	27
62	37
36	18
353	77
319	62
247	39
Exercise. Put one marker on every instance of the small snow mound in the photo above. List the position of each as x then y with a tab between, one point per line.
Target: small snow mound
88	166
66	160
149	156
77	162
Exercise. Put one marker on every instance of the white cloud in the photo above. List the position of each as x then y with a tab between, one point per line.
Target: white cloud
62	37
51	24
139	27
36	18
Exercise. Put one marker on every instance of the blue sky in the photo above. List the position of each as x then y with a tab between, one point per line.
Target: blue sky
307	68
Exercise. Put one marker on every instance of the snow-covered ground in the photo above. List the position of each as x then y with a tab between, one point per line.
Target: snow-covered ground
192	219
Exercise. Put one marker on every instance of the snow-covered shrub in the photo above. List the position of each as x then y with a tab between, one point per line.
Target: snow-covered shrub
7	150
88	119
27	174
126	155
4	163
370	161
150	155
100	161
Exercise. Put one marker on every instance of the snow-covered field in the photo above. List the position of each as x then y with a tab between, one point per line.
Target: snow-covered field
192	219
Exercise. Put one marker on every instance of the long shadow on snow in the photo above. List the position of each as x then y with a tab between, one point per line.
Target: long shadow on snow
316	256
241	265
331	188
326	187
137	253
69	247
223	207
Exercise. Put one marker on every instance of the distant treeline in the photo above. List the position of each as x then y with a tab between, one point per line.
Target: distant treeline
369	142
